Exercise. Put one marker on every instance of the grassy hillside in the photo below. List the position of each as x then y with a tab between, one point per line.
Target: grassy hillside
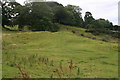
82	32
59	54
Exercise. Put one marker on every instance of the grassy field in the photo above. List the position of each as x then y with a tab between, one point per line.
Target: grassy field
58	55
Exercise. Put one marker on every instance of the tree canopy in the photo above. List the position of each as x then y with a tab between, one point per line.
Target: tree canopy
43	16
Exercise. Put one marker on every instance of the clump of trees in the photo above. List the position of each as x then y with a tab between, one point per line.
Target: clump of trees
44	16
40	16
37	16
97	26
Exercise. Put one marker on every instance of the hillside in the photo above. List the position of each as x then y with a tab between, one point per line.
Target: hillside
65	54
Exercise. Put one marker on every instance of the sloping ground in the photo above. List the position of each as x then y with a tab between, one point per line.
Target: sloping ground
59	54
107	37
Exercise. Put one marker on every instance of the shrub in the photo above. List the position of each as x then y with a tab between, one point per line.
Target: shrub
82	34
73	31
105	40
94	38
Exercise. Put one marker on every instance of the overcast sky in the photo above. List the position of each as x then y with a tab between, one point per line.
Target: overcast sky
107	9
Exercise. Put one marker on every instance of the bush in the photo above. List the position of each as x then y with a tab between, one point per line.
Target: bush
44	24
73	31
82	34
94	38
105	40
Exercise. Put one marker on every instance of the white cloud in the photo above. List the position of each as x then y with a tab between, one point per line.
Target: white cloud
107	9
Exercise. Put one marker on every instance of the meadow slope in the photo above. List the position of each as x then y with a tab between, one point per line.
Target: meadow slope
46	55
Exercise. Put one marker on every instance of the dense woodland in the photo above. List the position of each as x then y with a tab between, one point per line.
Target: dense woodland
44	16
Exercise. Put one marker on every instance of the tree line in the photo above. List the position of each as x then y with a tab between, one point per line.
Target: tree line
44	16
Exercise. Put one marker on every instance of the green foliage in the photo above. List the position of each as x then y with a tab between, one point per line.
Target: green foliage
100	25
69	15
88	18
61	14
53	4
116	28
8	13
43	16
38	16
23	17
75	17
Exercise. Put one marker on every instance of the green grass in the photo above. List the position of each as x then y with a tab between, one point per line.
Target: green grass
94	58
82	31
